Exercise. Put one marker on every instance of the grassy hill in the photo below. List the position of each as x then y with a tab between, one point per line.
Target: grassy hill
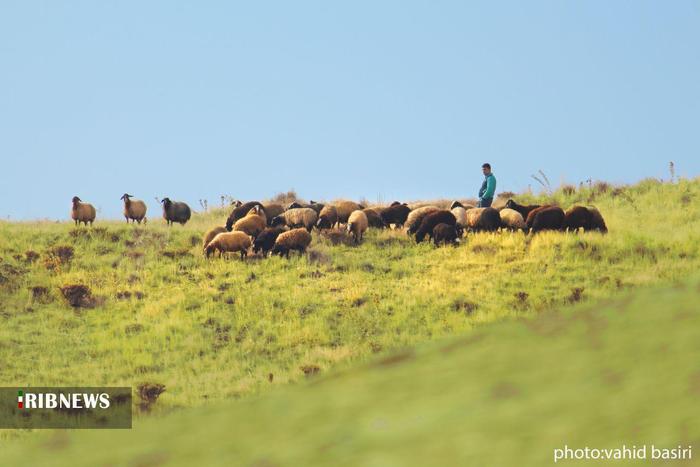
625	371
212	331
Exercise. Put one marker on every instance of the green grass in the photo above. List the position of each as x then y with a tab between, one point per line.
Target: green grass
626	371
217	330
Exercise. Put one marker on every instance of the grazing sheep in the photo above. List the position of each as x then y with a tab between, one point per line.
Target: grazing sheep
175	211
82	212
327	218
295	239
374	220
597	221
296	217
545	218
460	214
415	217
266	240
345	208
524	210
446	234
585	218
512	219
252	224
239	212
134	209
483	220
395	214
429	222
272	210
226	242
357	224
211	233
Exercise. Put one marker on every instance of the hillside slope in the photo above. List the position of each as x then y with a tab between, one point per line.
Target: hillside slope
625	371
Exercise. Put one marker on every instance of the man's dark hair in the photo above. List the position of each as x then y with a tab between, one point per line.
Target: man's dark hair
486	166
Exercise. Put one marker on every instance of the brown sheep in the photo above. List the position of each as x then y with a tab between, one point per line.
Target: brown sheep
374	220
210	234
415	217
82	212
295	239
134	209
327	218
344	209
585	218
229	242
357	224
252	224
483	219
272	210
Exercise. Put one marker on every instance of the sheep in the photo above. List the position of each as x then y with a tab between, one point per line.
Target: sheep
296	217
266	240
395	203
252	224
82	212
524	210
395	214
446	234
229	242
374	220
260	211
585	218
483	219
460	214
210	234
456	204
512	219
357	224
545	218
272	210
345	208
134	209
311	205
429	222
327	218
175	211
239	212
597	221
415	217
295	239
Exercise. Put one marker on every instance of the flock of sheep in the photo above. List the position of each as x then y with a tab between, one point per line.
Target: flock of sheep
272	228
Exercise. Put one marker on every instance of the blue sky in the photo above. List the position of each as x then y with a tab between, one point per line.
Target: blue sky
391	99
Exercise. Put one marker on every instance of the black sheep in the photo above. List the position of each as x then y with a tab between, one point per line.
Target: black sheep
266	240
545	218
581	217
240	212
446	234
431	220
524	210
395	214
175	211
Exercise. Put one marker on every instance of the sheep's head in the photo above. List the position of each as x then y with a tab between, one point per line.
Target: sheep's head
277	221
166	202
395	203
76	200
510	204
126	197
294	205
456	204
208	250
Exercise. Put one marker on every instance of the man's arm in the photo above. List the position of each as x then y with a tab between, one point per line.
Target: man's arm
490	187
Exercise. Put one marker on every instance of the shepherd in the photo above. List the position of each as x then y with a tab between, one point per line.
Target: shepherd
488	188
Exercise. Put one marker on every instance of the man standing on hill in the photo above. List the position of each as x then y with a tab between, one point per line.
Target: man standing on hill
488	188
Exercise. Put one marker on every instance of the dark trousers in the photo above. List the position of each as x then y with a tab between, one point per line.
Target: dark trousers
485	203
